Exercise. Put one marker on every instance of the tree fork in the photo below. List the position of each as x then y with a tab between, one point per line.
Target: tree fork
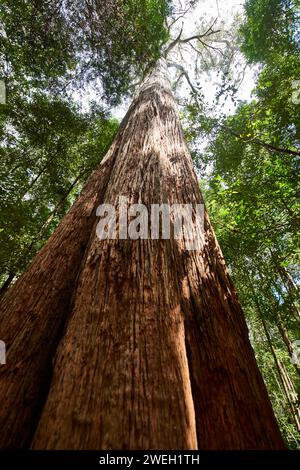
156	353
7	283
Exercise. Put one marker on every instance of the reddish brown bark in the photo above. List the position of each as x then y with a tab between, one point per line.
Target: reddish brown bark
155	352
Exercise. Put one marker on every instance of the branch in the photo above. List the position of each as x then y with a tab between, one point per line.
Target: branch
199	36
173	43
178	39
178	79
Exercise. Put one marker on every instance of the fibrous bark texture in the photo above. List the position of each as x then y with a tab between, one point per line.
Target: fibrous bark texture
148	341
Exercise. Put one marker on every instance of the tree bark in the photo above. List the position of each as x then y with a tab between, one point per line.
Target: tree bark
155	352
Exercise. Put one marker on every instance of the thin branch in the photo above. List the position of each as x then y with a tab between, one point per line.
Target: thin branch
207	33
178	79
208	46
199	36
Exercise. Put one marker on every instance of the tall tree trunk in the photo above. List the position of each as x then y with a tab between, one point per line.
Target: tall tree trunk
286	383
155	352
34	311
7	283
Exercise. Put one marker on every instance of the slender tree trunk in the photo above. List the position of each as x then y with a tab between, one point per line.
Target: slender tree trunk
60	203
292	288
28	248
280	324
53	213
286	383
276	313
289	284
155	352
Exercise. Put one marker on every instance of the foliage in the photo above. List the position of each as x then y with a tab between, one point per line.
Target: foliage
253	200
